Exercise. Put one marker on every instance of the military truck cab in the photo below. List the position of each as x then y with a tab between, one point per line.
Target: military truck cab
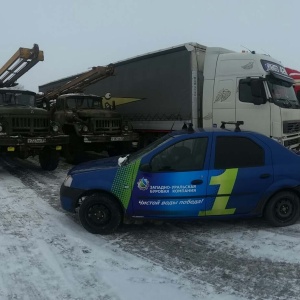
91	126
26	130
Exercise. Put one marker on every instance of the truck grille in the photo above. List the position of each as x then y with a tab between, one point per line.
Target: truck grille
107	126
30	125
292	142
291	127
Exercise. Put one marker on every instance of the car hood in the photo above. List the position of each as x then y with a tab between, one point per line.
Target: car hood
104	163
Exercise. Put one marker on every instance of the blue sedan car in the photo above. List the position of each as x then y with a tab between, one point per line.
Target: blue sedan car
188	174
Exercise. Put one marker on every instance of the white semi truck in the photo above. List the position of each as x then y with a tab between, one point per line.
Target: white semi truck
203	85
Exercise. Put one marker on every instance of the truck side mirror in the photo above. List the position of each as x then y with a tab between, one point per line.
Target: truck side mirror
256	88
256	91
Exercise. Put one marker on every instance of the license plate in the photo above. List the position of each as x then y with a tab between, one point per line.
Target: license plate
36	141
117	138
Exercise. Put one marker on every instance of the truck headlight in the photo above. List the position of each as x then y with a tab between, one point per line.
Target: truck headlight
127	127
55	128
68	181
85	128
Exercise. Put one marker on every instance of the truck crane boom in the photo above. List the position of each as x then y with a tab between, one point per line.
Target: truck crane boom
22	61
80	82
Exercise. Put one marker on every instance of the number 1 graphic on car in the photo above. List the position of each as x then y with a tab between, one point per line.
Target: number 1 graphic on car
226	181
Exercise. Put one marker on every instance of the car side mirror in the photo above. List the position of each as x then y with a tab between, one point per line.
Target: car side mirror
146	168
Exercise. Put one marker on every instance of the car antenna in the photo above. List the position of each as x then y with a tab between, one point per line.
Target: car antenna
237	125
266	53
251	51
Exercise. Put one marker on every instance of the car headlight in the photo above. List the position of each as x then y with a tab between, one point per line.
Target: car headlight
68	181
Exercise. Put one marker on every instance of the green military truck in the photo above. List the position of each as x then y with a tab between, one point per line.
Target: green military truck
90	125
26	130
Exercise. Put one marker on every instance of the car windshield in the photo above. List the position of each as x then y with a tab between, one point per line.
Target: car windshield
283	94
84	102
17	98
148	148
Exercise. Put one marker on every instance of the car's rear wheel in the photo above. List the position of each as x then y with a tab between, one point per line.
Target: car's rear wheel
100	214
283	209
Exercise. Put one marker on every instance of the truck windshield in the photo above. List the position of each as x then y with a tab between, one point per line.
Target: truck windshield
17	98
283	94
84	102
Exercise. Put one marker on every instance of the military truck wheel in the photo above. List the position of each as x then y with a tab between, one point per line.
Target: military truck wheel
49	158
72	151
23	155
100	214
283	209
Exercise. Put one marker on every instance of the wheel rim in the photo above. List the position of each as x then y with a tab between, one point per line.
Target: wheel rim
98	215
284	209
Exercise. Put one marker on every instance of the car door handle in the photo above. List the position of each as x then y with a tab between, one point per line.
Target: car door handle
197	181
266	175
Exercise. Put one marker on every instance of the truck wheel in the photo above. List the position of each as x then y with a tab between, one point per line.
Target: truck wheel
283	209
100	214
49	158
70	154
72	151
23	155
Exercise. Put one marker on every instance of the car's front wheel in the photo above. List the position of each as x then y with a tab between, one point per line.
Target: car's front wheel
100	214
283	209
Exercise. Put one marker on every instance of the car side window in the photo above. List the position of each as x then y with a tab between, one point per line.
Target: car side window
186	155
238	152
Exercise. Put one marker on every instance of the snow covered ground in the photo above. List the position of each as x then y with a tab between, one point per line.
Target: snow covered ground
46	254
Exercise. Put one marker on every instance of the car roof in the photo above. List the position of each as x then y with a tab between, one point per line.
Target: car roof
209	130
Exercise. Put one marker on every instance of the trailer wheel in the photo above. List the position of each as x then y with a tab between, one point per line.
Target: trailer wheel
49	158
283	209
100	214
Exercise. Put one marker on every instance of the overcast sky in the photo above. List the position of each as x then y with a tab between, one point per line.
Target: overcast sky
78	34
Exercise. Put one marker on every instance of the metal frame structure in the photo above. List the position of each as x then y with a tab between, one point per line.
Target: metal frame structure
22	61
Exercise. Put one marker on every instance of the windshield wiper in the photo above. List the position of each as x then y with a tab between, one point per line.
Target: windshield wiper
285	102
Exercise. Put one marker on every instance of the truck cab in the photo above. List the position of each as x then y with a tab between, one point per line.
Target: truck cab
26	130
91	126
253	88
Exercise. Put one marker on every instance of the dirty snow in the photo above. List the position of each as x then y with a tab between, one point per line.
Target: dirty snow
46	254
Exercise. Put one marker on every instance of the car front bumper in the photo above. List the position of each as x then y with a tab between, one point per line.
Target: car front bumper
69	197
